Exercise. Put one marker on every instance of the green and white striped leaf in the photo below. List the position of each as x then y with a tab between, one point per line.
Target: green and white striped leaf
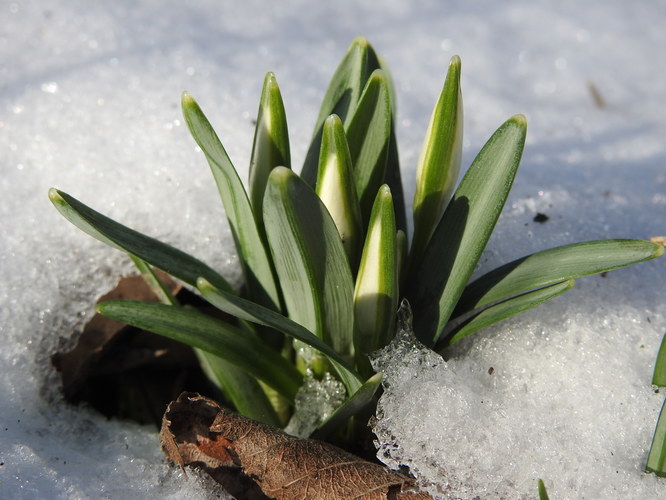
376	292
310	260
341	97
368	136
271	143
503	310
254	257
402	250
336	189
659	375
354	404
656	461
394	180
163	256
554	265
393	177
383	65
196	329
439	161
461	235
255	313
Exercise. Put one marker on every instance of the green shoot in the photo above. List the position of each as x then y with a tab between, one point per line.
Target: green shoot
656	461
659	375
657	457
543	494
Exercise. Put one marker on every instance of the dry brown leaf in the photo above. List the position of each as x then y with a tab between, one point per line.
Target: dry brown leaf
99	334
256	461
126	372
659	239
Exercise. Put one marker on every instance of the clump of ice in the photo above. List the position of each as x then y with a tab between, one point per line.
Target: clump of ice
566	399
316	400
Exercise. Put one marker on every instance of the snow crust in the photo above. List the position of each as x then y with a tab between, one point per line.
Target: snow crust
89	95
532	399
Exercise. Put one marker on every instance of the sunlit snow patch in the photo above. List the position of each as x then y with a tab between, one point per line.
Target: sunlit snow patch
544	397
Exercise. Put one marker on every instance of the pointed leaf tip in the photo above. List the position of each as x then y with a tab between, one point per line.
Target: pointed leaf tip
54	195
376	290
186	99
384	193
519	119
360	41
270	147
333	120
336	187
281	174
439	162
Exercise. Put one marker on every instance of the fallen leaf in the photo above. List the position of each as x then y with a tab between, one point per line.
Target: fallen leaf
126	372
253	460
659	239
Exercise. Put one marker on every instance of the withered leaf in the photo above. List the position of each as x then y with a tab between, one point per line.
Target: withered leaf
254	460
126	372
659	239
100	334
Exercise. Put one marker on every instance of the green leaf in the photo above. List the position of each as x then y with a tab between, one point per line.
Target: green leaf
554	265
368	136
376	292
196	329
543	494
391	85
271	143
242	389
335	187
249	244
153	282
394	180
439	161
503	310
160	255
353	405
656	461
341	97
310	260
659	375
249	311
461	235
393	177
401	254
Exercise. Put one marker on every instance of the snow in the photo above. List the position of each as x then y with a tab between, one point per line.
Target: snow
536	398
315	401
89	98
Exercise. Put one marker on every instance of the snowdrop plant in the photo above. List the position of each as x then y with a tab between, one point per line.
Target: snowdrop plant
656	461
325	254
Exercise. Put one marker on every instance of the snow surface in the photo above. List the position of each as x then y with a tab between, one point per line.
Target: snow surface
89	95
